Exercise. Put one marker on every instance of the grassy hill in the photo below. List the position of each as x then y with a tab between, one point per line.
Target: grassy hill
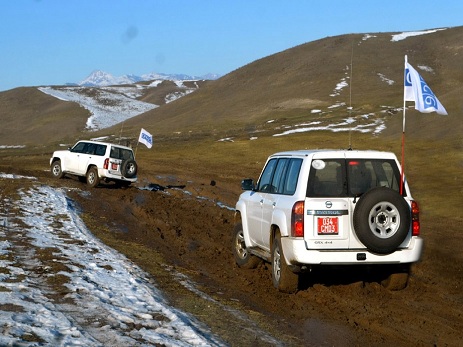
287	86
296	86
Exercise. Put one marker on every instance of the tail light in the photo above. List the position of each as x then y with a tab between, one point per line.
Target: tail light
415	219
106	164
297	219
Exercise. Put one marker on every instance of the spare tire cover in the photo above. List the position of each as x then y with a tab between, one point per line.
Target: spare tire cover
382	220
129	168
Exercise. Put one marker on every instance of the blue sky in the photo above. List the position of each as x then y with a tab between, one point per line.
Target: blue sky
52	42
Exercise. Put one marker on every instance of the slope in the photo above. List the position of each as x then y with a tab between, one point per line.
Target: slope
289	86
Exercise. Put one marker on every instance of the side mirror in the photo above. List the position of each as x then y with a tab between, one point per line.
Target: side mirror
247	184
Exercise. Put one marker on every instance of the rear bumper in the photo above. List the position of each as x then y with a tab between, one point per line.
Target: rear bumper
296	253
108	175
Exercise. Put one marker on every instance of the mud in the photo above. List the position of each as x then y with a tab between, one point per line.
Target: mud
189	222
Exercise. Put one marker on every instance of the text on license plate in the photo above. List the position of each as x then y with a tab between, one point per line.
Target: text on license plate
328	225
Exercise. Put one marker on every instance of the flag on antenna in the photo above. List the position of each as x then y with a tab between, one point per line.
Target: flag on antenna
416	89
146	138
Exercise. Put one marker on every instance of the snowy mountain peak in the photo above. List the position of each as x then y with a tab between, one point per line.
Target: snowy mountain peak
100	78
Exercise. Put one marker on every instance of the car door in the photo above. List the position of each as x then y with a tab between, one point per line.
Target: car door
327	219
270	199
256	202
85	158
70	162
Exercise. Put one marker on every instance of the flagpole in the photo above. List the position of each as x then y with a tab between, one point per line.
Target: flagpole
402	164
136	149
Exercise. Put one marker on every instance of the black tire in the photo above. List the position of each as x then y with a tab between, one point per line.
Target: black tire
129	168
92	177
243	257
382	220
283	278
56	169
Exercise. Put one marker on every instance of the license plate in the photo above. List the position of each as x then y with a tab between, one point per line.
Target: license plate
328	225
113	166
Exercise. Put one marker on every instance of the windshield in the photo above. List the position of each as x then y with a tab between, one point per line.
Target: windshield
351	177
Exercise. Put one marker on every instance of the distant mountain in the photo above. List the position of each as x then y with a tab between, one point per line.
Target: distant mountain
100	78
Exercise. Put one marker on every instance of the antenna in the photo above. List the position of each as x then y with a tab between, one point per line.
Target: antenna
350	94
120	135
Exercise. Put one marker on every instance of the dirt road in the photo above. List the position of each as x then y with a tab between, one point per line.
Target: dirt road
181	226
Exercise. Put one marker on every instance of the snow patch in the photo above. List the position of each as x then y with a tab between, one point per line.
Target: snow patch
106	108
106	299
404	35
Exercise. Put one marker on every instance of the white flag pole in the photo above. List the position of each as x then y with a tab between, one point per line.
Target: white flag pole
402	164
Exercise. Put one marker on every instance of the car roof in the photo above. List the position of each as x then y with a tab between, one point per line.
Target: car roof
104	143
334	153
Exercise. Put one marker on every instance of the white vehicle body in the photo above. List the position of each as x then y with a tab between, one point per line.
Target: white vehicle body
96	161
317	193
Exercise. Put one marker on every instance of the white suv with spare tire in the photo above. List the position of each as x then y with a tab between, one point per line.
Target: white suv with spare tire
94	161
328	207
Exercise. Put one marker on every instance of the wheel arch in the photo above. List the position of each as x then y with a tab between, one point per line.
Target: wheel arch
89	166
241	215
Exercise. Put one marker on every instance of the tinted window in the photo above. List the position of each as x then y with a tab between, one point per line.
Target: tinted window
365	174
277	181
327	177
280	176
121	153
266	177
79	147
292	174
100	150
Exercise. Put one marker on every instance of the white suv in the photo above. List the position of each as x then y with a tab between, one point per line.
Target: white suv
328	207
95	161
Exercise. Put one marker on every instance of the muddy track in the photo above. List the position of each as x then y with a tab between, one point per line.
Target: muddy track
189	225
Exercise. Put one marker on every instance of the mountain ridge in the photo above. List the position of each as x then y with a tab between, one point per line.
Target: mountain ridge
334	84
99	78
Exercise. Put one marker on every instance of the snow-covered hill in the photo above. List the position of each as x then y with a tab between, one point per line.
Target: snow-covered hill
100	78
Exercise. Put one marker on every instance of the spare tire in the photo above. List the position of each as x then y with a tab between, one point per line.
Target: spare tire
129	168
382	220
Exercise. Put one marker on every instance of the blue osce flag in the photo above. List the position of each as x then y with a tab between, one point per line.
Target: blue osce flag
417	90
146	138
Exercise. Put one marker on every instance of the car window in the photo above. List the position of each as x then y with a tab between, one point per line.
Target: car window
90	148
121	153
352	177
100	150
265	180
292	174
79	147
277	182
327	178
365	174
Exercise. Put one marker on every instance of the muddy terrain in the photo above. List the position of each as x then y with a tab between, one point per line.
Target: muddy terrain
180	228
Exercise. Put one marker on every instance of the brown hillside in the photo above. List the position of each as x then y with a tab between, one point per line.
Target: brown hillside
286	86
29	116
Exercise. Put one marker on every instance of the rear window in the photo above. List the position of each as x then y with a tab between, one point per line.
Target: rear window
121	153
351	177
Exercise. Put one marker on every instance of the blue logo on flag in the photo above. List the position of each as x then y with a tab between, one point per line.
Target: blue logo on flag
147	138
408	78
429	99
